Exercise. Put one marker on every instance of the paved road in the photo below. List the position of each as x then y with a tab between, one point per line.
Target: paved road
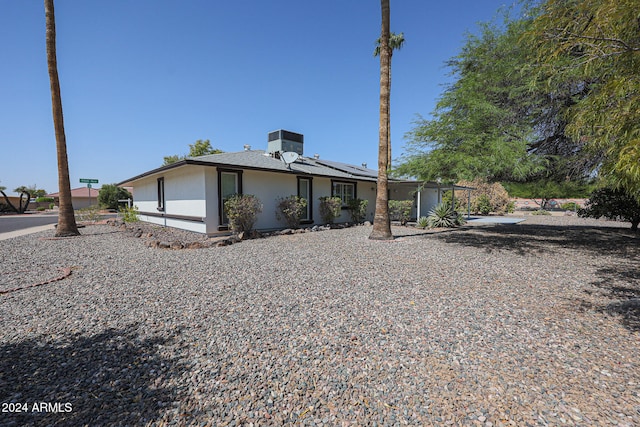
10	223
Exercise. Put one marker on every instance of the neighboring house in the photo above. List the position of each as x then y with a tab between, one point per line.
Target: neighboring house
81	198
190	194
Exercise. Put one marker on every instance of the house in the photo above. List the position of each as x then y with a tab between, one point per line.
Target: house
190	193
81	197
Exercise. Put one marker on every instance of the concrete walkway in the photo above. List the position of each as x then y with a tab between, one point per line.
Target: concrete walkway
494	220
25	231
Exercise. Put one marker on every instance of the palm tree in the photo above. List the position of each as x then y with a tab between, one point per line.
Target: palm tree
66	219
381	224
396	41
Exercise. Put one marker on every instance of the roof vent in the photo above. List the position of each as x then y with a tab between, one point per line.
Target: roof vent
281	141
316	156
364	165
247	147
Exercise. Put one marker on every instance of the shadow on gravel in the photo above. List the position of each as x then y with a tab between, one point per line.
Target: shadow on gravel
622	285
113	378
529	239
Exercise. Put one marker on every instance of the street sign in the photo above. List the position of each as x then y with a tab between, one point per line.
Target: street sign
88	181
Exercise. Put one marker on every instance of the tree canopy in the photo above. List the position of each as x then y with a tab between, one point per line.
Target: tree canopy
109	195
199	148
552	95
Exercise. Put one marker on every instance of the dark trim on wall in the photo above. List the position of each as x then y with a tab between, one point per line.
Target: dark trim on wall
172	216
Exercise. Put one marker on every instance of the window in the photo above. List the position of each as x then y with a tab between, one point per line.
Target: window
305	192
161	194
345	190
229	184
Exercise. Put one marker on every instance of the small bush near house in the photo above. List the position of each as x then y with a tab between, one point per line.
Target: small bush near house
242	211
90	214
129	214
541	212
358	210
52	205
400	210
442	216
612	204
41	208
569	206
291	209
423	222
483	205
44	199
330	209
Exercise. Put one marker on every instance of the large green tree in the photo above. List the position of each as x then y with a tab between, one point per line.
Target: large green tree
596	42
66	217
109	195
198	148
381	223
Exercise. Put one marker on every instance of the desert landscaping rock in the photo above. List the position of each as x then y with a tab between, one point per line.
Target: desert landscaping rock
534	324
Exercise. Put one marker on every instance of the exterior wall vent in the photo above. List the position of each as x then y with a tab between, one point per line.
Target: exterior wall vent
281	141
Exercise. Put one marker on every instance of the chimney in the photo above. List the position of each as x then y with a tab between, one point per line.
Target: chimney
281	141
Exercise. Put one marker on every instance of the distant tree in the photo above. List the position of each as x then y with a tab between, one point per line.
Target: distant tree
197	149
381	222
66	217
612	204
6	199
109	195
26	194
543	190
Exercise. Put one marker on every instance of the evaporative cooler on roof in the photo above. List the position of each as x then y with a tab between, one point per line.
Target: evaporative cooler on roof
281	141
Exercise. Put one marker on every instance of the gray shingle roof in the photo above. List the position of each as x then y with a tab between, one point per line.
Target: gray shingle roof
259	160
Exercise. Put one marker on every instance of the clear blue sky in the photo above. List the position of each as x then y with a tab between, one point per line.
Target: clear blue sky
142	79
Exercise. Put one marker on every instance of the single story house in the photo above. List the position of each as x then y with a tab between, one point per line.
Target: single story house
81	197
190	193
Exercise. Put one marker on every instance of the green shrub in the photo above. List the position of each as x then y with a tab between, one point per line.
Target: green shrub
400	210
511	207
90	214
109	195
569	206
41	208
612	204
242	211
129	214
330	209
358	210
290	209
483	205
541	212
423	222
52	205
44	199
442	216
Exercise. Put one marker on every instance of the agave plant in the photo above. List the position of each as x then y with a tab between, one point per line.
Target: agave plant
442	216
423	222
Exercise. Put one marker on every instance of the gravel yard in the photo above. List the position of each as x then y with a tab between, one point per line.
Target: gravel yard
531	324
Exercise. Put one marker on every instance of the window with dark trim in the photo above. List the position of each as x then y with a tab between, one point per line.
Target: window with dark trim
345	190
161	194
305	191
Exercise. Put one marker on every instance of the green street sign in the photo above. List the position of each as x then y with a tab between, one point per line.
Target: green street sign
88	181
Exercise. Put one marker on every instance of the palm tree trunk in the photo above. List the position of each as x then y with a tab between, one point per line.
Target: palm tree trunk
381	224
66	219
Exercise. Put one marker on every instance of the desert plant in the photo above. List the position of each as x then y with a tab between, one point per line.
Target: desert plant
242	211
41	208
109	195
569	206
442	216
358	210
90	214
44	199
400	210
330	209
52	205
290	209
129	214
423	222
541	212
483	205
